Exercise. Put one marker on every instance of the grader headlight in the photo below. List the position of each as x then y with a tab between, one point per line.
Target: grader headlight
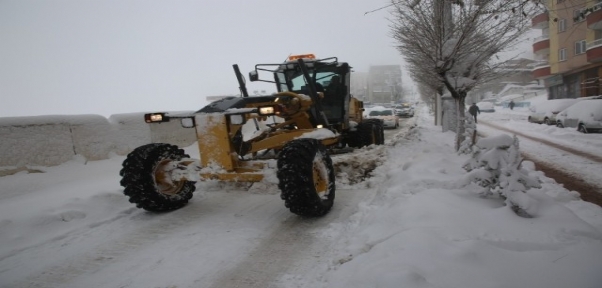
267	110
155	117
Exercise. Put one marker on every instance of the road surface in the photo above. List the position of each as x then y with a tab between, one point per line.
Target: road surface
229	235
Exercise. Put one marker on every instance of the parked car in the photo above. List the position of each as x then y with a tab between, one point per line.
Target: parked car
405	110
584	115
389	117
486	106
545	112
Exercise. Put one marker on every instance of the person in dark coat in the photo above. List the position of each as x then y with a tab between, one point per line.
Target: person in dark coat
511	105
473	110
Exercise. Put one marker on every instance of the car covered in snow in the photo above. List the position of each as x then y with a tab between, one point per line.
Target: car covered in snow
545	112
584	115
404	110
388	115
486	106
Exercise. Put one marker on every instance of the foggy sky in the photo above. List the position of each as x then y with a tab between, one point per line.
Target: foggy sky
121	56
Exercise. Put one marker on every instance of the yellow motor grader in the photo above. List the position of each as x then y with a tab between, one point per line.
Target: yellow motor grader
311	116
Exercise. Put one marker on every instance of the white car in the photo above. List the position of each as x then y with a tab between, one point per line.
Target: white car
389	117
584	115
404	110
545	112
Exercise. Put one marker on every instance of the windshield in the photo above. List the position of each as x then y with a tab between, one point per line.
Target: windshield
322	78
298	83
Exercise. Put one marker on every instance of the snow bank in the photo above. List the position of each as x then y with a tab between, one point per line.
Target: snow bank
41	140
54	139
130	132
419	229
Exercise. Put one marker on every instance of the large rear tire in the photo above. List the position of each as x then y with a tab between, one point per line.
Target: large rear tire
381	133
371	132
368	132
306	178
140	179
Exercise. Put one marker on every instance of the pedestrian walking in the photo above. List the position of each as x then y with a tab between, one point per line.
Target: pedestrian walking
473	110
511	105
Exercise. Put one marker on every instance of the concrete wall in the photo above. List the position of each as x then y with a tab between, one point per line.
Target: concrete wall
55	139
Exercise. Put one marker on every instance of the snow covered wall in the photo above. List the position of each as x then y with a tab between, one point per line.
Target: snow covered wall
55	139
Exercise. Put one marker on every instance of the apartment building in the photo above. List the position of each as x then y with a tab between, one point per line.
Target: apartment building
359	85
384	84
569	50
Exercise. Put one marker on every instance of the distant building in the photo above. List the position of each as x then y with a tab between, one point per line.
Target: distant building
515	78
384	84
359	85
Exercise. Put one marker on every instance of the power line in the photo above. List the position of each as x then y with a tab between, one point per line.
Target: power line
381	8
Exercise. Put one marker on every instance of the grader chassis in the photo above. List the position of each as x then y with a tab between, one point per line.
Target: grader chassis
311	116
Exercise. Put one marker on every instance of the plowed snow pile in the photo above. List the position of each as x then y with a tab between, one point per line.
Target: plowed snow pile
423	229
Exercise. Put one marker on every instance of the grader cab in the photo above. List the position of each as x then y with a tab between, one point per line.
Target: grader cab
311	116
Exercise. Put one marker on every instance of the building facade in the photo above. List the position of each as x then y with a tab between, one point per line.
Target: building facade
359	85
516	77
569	50
384	84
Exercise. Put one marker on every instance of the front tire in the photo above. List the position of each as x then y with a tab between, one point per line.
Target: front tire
582	129
306	178
139	174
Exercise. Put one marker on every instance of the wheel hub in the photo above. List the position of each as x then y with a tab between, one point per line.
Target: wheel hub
163	180
320	177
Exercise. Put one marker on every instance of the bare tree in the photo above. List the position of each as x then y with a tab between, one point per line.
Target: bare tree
429	86
456	41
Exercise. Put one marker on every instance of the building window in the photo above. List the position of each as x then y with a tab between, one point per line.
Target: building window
561	25
562	54
579	15
579	47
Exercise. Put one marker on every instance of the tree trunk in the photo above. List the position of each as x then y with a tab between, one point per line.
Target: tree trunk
461	109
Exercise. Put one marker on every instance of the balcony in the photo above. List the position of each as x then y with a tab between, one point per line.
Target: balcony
594	51
594	18
541	70
540	21
541	45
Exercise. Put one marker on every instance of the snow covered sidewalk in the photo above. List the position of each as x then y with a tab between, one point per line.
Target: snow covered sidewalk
423	229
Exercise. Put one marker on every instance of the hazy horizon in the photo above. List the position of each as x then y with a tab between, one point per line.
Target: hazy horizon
109	57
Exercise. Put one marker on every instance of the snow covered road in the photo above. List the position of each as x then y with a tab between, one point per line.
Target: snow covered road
585	165
225	235
231	235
